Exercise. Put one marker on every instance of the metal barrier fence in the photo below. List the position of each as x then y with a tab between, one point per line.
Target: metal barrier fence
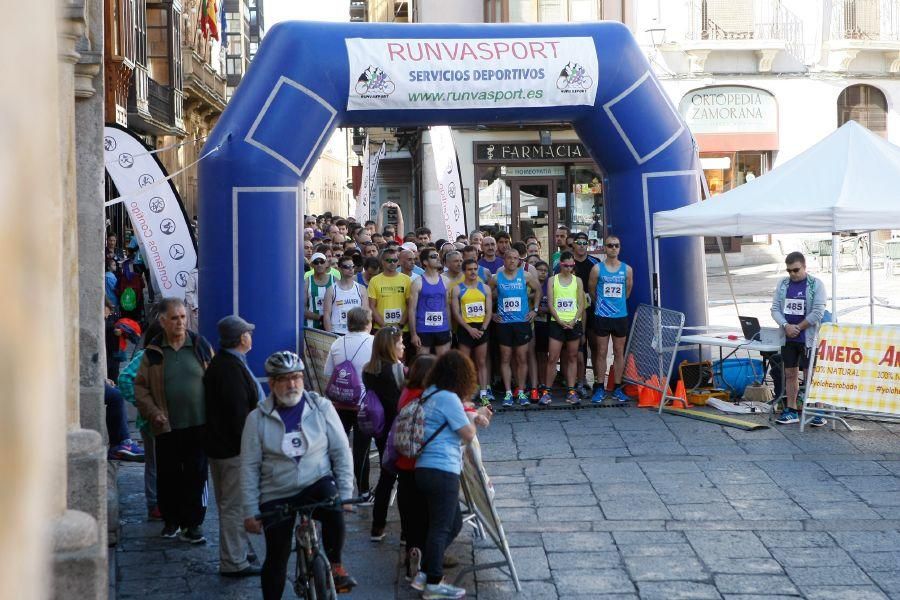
316	344
652	345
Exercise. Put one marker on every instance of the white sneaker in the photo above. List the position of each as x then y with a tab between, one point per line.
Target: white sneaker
442	590
418	582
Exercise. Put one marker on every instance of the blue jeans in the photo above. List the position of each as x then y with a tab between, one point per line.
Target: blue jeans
116	419
440	490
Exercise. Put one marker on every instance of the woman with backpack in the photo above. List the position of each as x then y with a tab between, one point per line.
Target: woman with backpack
352	351
439	464
410	503
384	375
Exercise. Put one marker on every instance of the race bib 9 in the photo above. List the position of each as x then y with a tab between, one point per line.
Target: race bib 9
612	290
511	305
392	315
292	444
475	310
434	319
794	306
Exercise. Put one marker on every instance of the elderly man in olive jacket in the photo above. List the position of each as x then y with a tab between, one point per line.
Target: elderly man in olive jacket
168	391
231	392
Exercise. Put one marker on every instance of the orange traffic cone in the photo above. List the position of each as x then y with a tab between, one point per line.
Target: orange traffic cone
681	395
649	395
631	373
611	381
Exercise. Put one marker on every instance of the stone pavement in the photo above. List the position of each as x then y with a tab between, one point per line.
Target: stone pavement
622	503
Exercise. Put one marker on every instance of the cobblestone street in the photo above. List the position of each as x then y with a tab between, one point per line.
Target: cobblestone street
622	503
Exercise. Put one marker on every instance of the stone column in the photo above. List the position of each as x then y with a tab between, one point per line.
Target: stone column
32	363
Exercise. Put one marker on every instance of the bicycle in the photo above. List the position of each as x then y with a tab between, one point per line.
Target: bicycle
313	579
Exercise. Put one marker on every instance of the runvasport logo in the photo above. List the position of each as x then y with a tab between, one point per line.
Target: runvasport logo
374	83
573	79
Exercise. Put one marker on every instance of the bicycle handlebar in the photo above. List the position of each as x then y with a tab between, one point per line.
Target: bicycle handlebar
285	510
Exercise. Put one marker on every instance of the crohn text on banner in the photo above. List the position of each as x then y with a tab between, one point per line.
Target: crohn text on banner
449	188
471	73
154	209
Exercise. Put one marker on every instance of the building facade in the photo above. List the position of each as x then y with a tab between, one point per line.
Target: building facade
757	81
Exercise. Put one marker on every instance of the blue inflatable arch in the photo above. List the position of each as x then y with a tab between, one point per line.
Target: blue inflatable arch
309	78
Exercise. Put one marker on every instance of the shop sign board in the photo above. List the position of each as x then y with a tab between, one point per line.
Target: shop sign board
388	74
729	109
499	152
857	368
550	171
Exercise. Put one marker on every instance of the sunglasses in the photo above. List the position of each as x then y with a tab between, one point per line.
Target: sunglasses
433	256
318	261
581	243
612	245
391	260
797	270
567	265
347	266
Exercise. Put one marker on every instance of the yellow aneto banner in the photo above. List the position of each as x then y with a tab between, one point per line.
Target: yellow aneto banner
857	367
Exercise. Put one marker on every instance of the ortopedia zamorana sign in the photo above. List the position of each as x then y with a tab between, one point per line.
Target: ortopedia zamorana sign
471	73
857	367
729	109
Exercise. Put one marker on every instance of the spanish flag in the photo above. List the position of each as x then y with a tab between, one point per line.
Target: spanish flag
209	14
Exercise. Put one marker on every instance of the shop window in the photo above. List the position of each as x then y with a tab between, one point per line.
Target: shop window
866	105
587	204
494	199
552	11
725	171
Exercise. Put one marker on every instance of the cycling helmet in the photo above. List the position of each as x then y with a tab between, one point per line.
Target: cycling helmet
282	363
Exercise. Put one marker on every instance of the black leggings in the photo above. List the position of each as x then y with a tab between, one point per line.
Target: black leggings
280	534
360	449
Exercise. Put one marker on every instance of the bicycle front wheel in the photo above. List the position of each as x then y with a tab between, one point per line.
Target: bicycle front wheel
321	579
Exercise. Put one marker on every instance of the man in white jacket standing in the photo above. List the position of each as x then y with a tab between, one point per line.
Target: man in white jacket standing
294	450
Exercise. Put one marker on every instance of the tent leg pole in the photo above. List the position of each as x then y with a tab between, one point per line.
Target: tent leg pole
657	292
835	249
871	282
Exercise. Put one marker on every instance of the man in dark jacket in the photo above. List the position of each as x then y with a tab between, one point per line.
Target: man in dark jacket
168	391
230	393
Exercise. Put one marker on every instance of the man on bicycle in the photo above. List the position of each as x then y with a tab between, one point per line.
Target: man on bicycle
294	451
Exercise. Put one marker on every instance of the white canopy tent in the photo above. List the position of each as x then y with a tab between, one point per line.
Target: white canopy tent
849	181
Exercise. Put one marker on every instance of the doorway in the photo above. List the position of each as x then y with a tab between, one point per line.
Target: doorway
530	214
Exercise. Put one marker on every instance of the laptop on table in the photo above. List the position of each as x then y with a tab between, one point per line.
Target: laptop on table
765	335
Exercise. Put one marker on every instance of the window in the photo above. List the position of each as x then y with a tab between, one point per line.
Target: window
233	22
548	11
493	11
158	48
866	105
726	19
233	65
140	32
234	44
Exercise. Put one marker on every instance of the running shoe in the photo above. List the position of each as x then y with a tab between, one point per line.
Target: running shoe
817	422
523	398
546	398
442	590
484	399
343	582
582	389
572	396
418	582
368	499
126	451
787	417
153	514
169	531
599	395
193	535
620	395
508	400
535	395
377	535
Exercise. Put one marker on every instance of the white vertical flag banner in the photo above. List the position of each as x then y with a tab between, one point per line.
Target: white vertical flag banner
362	200
448	182
375	160
154	208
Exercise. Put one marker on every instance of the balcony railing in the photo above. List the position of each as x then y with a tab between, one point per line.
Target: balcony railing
760	20
871	20
160	97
